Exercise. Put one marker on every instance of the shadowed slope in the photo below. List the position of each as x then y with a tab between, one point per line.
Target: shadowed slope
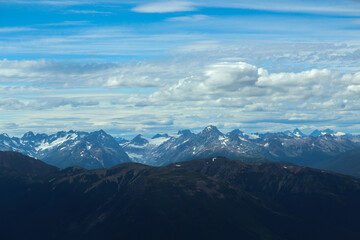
213	198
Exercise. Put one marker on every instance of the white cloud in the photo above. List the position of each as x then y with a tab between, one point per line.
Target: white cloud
351	78
230	76
166	7
305	78
182	93
216	81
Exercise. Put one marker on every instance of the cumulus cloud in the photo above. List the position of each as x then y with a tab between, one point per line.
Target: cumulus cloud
230	76
217	80
305	78
230	85
166	7
183	94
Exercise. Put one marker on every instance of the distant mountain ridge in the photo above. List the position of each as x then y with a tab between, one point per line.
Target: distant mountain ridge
99	149
293	146
72	148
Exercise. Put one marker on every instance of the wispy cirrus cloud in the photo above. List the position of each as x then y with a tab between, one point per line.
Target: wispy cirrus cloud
66	23
166	7
347	7
44	103
190	18
48	2
88	12
15	29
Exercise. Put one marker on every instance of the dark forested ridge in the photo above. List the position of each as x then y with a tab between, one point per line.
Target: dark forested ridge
212	198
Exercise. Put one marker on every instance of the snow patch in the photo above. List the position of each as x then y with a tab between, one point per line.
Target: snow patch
134	146
46	145
157	141
253	136
134	155
339	134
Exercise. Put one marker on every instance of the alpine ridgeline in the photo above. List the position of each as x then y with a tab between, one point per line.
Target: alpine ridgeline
320	149
64	149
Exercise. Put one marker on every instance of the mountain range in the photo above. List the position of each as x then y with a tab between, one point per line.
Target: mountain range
320	149
212	198
72	148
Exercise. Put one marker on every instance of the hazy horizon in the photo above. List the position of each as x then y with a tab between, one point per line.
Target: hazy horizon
150	135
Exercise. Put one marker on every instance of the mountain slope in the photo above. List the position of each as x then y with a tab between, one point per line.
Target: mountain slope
15	164
72	148
347	163
213	198
93	150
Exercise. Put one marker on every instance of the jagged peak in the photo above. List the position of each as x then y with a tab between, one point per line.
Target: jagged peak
237	131
184	132
138	136
160	135
210	128
139	140
100	132
328	130
29	134
298	133
4	134
315	133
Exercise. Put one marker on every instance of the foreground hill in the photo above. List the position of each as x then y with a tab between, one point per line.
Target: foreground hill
213	198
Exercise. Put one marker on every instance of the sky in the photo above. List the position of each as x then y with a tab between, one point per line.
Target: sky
131	67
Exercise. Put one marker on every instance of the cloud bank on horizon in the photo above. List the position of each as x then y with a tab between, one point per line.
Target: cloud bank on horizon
159	66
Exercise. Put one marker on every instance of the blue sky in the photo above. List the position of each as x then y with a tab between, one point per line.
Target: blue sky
158	66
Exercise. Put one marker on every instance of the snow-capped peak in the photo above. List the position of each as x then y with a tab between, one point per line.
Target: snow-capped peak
211	129
298	133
